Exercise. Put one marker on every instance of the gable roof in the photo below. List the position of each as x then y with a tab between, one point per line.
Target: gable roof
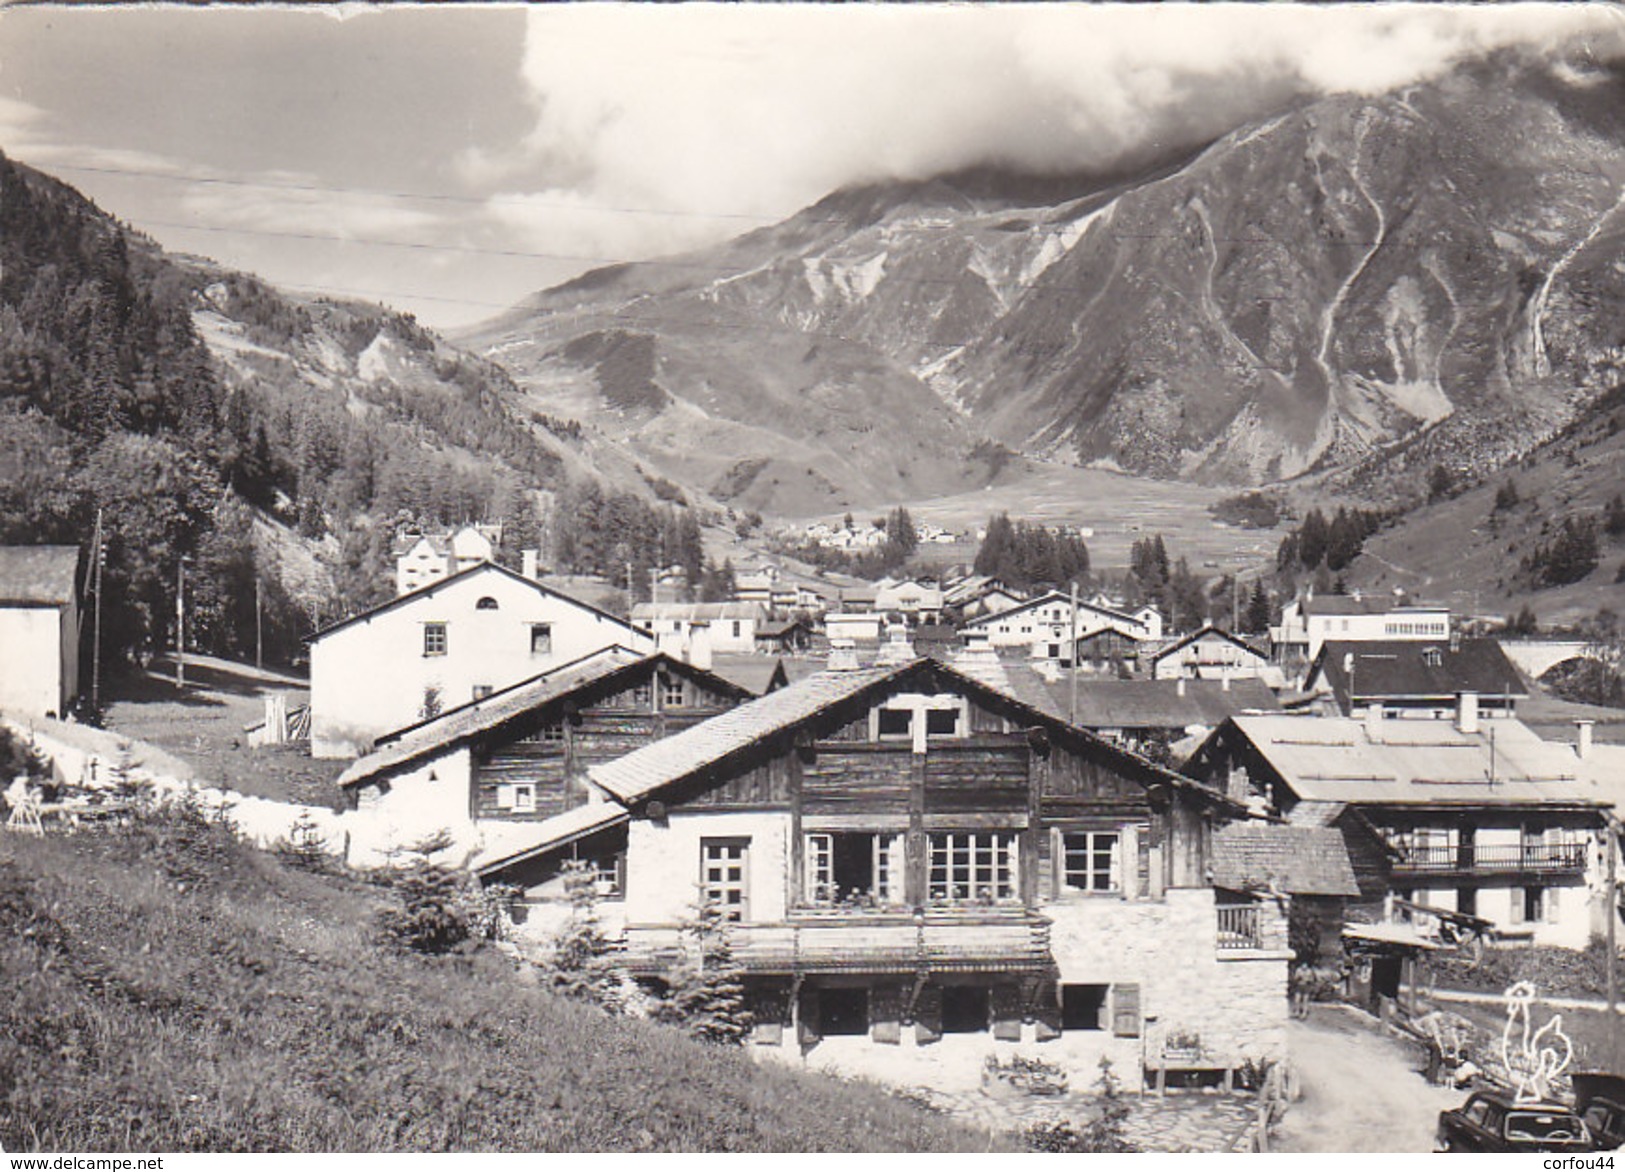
1404	669
1296	860
1417	762
711	743
1053	596
1145	703
505	843
479	568
1202	633
1332	813
754	673
38	575
403	747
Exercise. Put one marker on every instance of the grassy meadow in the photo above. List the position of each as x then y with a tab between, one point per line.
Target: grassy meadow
168	989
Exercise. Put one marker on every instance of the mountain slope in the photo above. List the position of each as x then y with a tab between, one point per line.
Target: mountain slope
1432	270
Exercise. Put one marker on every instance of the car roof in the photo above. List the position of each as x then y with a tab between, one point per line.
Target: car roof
1508	1100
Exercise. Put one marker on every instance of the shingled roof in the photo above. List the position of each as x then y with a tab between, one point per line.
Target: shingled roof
1159	704
38	575
403	747
1296	860
1423	762
1409	669
665	762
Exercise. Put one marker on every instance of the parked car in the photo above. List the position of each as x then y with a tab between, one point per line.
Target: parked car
1491	1121
1600	1101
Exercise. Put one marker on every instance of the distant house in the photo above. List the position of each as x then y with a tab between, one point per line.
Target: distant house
978	594
732	626
863	627
422	558
1488	819
39	629
783	636
1306	624
1045	625
1211	654
857	599
1412	678
916	601
487	770
454	640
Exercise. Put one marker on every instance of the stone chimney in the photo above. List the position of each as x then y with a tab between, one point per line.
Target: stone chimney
1373	723
1582	738
977	659
896	649
671	643
530	563
699	645
1179	685
843	655
1467	712
1224	682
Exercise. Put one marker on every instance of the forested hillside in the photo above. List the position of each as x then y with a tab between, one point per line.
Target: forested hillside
212	417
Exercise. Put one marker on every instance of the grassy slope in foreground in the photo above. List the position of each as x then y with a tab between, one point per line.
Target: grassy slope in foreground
173	992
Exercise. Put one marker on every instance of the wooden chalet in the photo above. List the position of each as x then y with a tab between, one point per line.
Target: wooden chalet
907	854
490	769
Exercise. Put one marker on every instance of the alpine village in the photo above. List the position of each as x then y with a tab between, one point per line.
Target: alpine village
745	724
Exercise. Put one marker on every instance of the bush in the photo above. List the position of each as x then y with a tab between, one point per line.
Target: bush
191	843
18	757
432	916
705	994
1102	1134
580	966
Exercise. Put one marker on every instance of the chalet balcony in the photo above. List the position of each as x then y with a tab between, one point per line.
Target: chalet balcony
1241	927
1509	858
871	941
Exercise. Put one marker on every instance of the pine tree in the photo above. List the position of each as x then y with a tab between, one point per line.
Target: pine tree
581	966
706	992
1258	609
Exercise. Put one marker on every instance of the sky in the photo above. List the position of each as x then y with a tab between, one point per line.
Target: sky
449	161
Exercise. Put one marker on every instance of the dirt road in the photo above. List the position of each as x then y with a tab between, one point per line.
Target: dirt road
1361	1091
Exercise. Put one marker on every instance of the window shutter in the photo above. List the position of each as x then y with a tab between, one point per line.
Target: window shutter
1048	1014
1552	914
1006	1013
1517	904
1126	1011
809	1024
886	1013
505	796
1128	862
928	1016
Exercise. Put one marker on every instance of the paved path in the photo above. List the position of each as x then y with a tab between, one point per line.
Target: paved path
1178	1122
1360	1089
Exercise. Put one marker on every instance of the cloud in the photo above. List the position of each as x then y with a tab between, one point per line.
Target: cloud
716	113
292	204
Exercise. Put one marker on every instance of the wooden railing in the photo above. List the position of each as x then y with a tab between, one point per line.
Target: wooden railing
1507	857
871	941
1240	926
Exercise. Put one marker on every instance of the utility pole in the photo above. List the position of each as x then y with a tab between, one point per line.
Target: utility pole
1611	965
180	624
630	600
1072	659
96	636
259	628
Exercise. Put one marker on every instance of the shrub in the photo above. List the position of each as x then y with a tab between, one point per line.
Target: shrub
191	843
1102	1134
432	917
305	846
1030	1076
580	966
18	757
705	994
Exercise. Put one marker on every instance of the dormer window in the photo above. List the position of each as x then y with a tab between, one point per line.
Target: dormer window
486	603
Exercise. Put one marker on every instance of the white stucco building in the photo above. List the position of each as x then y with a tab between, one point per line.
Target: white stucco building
454	640
39	629
1309	623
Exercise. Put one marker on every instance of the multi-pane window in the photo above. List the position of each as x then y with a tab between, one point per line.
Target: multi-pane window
671	692
643	694
852	868
434	638
894	722
1091	860
541	638
723	874
978	868
524	797
481	691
